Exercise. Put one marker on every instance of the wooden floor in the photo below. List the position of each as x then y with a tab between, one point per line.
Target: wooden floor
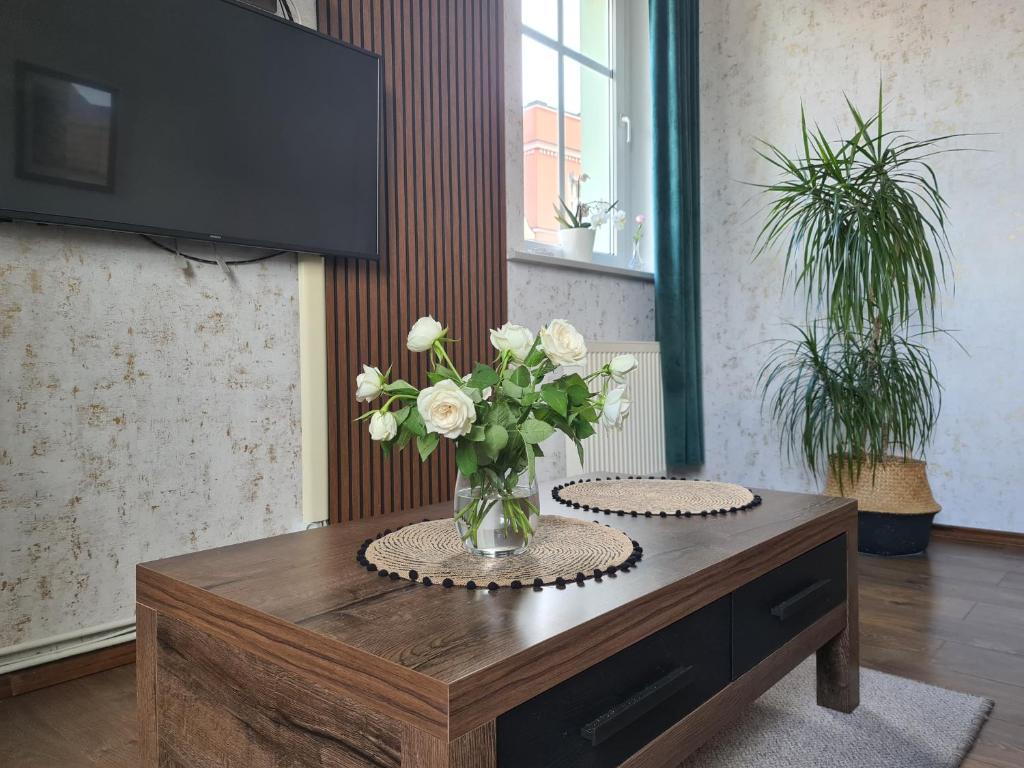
954	618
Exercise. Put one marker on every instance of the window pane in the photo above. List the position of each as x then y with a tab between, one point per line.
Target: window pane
586	28
541	15
588	141
540	141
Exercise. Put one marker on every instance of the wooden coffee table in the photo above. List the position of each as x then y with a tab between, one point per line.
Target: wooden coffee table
286	652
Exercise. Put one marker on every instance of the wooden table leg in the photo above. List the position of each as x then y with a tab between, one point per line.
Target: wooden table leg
145	681
839	658
476	749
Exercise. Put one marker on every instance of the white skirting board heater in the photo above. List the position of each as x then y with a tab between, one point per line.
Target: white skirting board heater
639	448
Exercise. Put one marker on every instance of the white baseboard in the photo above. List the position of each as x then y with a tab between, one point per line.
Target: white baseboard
59	647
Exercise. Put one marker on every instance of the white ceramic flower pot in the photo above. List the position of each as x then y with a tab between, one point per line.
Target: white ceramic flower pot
578	243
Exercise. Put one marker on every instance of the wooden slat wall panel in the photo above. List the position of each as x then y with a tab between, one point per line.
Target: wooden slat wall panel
444	229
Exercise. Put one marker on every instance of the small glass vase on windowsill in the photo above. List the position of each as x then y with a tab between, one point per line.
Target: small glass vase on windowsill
636	259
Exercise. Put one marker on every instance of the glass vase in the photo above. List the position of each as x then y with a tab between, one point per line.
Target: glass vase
496	523
635	259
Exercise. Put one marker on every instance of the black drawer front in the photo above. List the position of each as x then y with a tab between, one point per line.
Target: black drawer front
606	713
770	610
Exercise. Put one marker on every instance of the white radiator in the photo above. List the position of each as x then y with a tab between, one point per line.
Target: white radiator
639	448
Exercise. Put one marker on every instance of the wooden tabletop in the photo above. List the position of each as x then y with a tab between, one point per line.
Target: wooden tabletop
464	655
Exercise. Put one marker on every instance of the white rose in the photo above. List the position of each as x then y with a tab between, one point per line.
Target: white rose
423	334
621	365
368	384
513	338
615	408
383	426
446	409
563	344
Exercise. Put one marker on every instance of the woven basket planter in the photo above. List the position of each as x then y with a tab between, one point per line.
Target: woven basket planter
896	505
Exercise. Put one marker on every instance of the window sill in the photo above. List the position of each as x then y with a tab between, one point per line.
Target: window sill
548	260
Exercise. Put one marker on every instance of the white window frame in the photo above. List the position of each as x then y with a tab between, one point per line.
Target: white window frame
618	71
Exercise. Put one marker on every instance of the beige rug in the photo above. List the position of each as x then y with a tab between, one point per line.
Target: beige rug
900	723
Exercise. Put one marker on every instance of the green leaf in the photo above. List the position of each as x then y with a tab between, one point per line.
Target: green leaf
535	431
513	390
440	373
521	376
414	423
402	414
584	429
531	462
465	457
404	436
483	454
476	434
426	444
536	353
576	388
496	437
483	377
512	456
502	414
400	387
556	398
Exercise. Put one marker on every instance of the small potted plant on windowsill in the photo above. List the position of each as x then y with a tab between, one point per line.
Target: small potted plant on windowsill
578	222
862	225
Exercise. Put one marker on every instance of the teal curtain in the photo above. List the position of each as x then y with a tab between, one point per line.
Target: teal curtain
676	226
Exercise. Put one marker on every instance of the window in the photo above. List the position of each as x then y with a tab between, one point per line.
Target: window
570	125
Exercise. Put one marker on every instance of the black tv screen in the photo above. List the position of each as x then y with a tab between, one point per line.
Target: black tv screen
201	119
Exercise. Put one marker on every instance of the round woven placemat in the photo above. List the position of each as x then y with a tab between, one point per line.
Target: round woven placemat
563	550
655	497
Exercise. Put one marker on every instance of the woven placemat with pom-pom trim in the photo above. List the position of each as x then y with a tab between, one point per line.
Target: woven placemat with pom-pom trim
655	497
563	550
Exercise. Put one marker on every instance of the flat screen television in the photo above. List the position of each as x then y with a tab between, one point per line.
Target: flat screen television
202	119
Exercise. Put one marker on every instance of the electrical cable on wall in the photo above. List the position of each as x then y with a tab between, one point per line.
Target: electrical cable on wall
191	257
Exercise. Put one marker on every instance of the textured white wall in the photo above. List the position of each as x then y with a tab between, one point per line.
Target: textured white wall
142	415
947	67
144	412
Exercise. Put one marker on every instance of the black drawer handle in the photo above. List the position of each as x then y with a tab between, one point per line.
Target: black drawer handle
799	602
636	706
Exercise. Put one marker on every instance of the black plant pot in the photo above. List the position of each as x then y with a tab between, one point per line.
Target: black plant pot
882	533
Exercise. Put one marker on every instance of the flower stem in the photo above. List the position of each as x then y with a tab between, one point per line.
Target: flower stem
443	356
515	518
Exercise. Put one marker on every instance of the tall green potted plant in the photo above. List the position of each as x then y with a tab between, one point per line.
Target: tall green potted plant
862	225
